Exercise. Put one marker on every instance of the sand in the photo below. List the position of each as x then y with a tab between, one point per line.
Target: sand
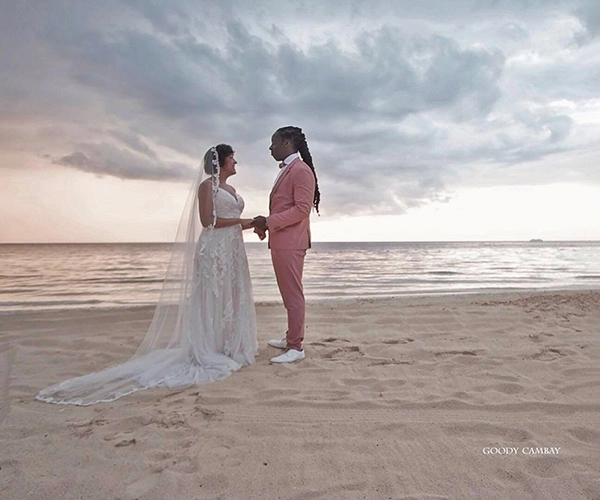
398	398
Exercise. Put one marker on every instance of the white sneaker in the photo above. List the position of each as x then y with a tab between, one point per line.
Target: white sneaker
280	344
289	356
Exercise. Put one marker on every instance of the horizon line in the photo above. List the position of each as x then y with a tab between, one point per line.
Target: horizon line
531	240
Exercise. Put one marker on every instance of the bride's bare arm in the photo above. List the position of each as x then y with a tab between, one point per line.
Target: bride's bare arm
205	202
205	198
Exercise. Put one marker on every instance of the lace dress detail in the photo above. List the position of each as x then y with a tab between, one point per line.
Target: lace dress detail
225	307
218	334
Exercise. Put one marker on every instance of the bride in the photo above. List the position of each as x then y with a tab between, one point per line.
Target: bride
204	326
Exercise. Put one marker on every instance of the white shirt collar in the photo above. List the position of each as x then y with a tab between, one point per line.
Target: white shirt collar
290	159
286	164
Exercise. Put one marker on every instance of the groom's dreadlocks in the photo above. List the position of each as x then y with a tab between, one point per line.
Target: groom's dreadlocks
299	141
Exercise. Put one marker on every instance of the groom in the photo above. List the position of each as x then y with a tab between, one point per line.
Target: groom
294	193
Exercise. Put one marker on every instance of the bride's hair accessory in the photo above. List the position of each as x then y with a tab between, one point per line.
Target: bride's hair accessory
212	166
211	161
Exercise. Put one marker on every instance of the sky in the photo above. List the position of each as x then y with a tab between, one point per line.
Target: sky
426	120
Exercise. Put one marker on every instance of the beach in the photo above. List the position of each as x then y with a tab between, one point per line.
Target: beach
463	396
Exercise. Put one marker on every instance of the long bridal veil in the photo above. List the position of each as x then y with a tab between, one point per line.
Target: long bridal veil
173	352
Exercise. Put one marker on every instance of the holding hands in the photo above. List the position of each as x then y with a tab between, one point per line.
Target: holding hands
246	223
260	226
260	222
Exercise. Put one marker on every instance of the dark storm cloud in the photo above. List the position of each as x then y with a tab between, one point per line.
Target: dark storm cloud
413	96
589	13
105	159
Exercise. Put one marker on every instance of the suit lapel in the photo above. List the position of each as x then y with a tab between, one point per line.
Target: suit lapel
286	173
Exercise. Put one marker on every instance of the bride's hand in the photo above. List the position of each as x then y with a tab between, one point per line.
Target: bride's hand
246	223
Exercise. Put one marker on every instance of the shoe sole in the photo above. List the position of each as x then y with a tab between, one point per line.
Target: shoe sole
285	362
276	346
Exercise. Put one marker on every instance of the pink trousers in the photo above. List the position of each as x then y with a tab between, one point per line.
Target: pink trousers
288	266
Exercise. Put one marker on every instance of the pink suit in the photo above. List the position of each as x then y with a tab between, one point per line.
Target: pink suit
289	237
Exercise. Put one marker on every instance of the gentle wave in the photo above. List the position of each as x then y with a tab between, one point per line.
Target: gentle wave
72	293
38	277
20	276
444	273
122	269
49	303
116	281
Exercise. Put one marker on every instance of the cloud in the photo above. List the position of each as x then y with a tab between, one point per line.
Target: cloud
402	102
589	14
106	159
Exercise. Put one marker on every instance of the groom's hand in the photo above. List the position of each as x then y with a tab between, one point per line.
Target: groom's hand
261	234
260	222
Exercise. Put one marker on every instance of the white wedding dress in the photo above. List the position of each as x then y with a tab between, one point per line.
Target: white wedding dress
210	332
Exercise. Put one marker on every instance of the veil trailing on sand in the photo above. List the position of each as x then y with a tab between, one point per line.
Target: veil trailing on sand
168	356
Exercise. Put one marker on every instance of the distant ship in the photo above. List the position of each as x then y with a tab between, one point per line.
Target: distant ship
536	240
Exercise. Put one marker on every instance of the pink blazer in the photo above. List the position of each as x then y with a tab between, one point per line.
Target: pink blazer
290	204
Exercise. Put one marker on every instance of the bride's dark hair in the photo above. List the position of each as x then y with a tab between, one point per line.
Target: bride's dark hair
223	151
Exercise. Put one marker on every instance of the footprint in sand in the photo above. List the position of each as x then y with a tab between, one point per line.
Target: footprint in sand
121	439
457	353
334	339
326	342
160	460
548	354
397	341
168	420
536	338
344	353
85	428
125	442
391	361
158	455
208	413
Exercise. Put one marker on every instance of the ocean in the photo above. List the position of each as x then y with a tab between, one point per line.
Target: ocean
74	276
